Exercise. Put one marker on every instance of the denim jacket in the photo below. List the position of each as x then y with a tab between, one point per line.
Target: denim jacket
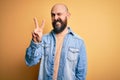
73	62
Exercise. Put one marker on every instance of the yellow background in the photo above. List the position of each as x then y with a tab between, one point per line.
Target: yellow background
97	21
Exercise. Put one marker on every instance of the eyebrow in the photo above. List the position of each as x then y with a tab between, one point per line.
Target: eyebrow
53	14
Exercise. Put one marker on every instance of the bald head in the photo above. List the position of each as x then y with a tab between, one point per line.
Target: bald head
60	7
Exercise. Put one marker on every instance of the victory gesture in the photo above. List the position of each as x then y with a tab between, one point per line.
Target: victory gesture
38	31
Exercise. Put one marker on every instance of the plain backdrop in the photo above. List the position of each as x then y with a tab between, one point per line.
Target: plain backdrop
96	21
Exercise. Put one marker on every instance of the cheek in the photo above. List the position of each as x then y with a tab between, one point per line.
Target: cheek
52	20
63	18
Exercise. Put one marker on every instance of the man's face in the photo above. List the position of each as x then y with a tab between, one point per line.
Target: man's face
59	18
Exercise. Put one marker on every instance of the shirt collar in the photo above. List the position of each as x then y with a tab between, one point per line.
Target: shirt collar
69	31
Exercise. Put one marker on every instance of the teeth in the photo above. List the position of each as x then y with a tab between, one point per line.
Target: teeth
58	23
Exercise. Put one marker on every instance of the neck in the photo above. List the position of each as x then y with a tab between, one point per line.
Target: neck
63	33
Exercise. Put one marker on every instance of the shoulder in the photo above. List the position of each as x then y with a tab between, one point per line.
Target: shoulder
79	41
74	35
77	37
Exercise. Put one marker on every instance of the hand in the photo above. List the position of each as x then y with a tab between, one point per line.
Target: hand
38	31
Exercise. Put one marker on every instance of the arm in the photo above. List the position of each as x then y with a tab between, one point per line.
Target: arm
34	51
82	64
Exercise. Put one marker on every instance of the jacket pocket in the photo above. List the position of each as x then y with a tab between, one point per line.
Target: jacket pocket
72	54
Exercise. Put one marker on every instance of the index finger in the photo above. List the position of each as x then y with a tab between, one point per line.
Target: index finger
36	23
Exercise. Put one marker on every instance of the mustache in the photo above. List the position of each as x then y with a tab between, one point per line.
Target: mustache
58	20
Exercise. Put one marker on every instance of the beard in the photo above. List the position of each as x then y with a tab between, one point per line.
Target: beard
59	25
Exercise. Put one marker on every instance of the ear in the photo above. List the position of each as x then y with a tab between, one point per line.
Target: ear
68	15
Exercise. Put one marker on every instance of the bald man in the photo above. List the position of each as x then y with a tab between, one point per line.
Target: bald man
62	52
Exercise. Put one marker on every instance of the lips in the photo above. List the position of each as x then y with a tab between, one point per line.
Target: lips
58	23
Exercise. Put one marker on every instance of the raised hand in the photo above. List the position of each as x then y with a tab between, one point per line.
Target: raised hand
38	31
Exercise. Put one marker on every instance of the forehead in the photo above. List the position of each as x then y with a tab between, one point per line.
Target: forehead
58	9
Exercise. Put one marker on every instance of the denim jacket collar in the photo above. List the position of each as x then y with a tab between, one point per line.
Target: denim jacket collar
69	32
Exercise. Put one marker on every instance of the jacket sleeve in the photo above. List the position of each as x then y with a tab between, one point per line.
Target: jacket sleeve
81	69
34	53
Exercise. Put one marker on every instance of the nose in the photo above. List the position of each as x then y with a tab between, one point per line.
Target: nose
56	17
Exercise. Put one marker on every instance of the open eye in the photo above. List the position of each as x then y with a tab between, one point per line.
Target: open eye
52	14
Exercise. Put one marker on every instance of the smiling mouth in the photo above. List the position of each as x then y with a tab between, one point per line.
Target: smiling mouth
58	24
